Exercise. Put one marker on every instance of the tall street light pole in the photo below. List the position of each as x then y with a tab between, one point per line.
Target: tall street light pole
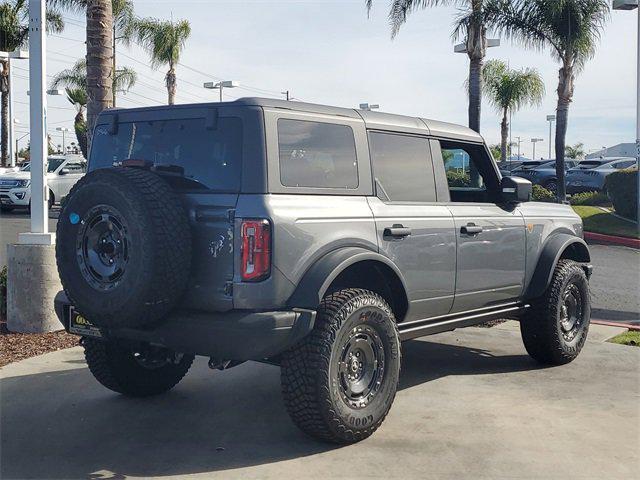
534	141
631	5
64	130
550	119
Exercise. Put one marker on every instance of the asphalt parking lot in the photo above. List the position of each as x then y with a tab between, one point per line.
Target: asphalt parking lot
471	404
614	285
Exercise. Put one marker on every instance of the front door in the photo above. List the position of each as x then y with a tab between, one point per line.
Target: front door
415	232
490	238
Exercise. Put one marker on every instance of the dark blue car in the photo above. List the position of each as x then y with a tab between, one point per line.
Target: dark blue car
542	173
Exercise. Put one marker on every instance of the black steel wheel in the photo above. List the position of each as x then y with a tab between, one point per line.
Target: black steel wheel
139	370
340	381
555	329
124	247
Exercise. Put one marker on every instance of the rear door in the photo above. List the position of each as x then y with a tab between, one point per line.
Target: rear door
490	256
413	231
199	152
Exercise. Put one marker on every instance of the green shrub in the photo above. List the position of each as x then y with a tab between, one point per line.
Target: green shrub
458	179
622	189
593	199
541	194
3	292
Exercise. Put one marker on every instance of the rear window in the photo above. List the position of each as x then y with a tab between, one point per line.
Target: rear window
192	156
590	164
317	155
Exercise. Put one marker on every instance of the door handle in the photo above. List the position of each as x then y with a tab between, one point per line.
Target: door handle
397	231
471	229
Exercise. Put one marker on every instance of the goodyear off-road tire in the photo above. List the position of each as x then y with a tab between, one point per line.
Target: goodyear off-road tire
123	247
555	329
339	382
119	369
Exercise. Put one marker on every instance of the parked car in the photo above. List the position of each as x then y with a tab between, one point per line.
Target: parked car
543	174
312	237
62	174
589	175
507	167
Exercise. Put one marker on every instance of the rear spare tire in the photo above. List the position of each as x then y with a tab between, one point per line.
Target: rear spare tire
123	247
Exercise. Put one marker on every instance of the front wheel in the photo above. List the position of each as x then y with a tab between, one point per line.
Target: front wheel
339	382
139	371
555	329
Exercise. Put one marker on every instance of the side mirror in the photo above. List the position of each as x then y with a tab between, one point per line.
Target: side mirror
64	171
515	189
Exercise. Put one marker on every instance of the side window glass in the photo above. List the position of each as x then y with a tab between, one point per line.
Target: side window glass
402	168
461	169
316	154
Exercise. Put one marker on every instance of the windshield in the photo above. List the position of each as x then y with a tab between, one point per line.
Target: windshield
192	156
52	165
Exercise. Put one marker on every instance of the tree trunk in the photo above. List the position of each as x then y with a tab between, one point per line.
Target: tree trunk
504	130
4	88
80	127
565	95
114	64
171	82
99	61
476	50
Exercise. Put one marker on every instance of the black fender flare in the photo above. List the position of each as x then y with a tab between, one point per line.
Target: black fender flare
317	279
551	252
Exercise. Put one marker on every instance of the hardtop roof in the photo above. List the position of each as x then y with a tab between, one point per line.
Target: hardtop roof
373	120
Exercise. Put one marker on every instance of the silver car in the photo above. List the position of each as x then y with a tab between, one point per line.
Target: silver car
589	175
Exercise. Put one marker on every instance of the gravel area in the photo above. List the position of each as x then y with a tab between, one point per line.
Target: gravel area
18	346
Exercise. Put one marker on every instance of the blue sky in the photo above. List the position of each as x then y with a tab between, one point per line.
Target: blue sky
329	52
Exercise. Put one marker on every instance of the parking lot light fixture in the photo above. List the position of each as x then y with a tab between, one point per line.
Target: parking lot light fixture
534	141
369	107
64	130
221	85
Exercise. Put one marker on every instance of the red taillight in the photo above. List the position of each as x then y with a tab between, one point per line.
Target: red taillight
256	250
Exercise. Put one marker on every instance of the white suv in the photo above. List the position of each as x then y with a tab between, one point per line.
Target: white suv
62	173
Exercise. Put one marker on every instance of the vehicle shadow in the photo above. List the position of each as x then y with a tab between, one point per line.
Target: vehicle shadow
63	424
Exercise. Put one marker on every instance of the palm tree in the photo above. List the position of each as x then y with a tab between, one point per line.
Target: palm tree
571	29
123	22
508	90
576	151
75	81
164	40
99	67
471	25
14	32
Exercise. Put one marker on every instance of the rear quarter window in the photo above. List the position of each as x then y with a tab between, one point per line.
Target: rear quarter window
193	156
316	154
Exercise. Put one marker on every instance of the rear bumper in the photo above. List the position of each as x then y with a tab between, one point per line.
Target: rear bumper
235	335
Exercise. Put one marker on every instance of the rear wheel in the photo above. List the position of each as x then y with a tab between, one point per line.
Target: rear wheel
339	382
135	371
556	327
551	185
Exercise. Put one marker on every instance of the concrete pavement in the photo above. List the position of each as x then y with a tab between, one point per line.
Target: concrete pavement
471	404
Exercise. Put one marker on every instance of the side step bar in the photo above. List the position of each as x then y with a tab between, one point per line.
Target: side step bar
430	326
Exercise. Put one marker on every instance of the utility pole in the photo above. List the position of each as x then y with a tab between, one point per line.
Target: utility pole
286	94
519	142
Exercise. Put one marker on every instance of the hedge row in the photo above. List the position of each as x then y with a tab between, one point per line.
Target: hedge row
622	189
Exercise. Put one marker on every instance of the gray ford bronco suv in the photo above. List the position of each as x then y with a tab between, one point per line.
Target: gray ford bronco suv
312	237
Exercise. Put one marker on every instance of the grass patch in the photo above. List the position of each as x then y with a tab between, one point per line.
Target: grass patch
598	221
627	338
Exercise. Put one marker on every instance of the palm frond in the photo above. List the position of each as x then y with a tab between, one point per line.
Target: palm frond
163	39
124	80
77	97
55	23
74	77
508	89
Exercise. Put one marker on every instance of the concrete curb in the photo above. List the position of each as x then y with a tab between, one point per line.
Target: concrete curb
629	326
612	240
